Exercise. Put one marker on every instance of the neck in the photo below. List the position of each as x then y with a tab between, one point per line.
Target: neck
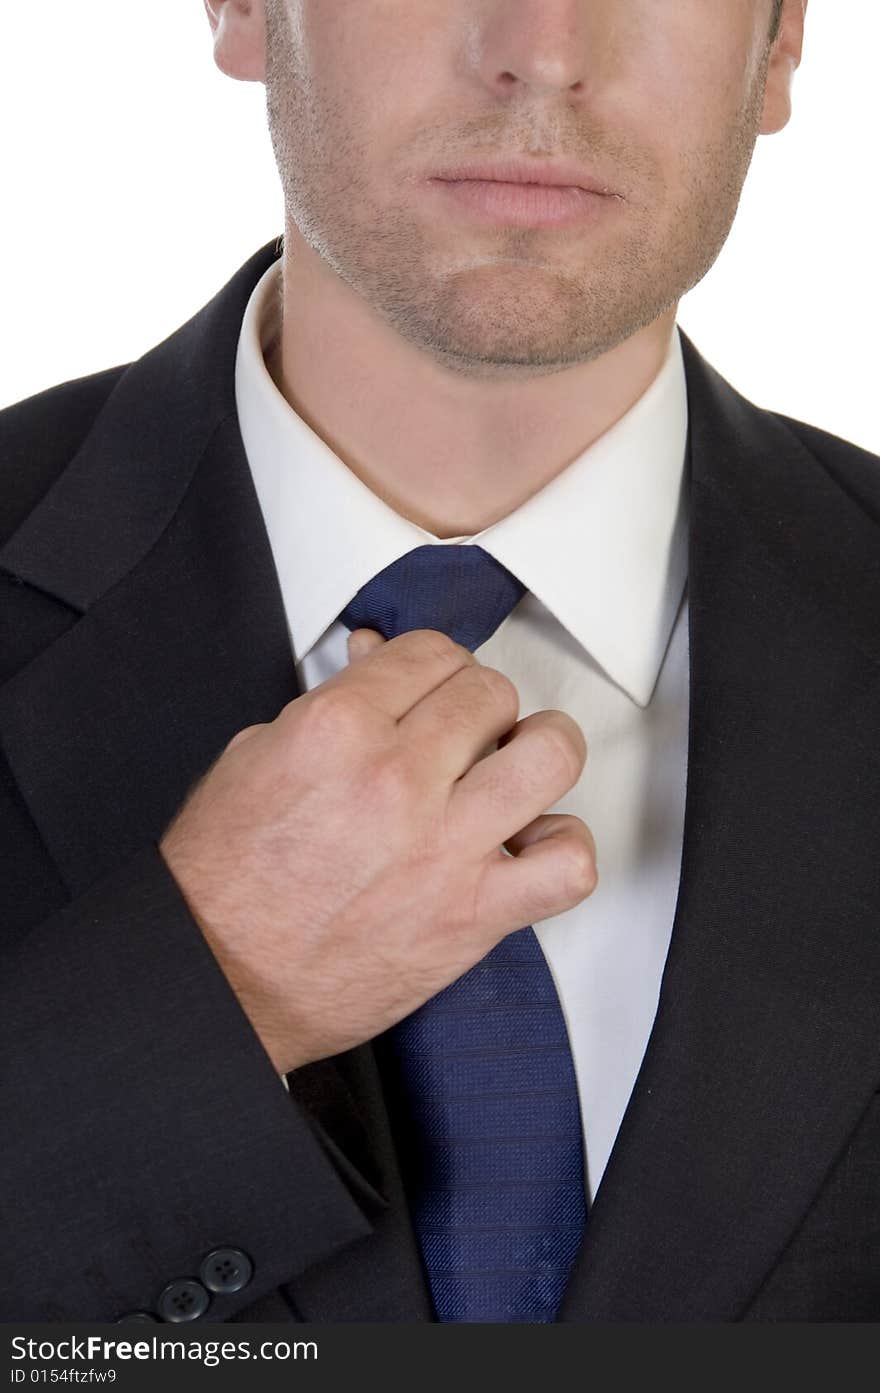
450	453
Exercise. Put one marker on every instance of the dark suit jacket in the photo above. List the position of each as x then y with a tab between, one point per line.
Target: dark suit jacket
141	626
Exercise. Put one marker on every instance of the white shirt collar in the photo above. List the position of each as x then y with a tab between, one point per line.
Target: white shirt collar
603	545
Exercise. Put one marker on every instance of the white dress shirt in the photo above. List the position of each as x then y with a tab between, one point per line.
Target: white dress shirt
601	634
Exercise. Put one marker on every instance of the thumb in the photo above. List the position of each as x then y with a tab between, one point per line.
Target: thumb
363	641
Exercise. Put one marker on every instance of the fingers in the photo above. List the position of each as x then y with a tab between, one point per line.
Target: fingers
554	869
456	723
549	825
396	673
540	759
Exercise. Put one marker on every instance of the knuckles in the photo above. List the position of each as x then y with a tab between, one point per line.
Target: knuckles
500	689
245	734
431	645
389	780
335	714
562	749
580	874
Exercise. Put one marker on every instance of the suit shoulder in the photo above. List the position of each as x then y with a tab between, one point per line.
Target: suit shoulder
40	435
853	468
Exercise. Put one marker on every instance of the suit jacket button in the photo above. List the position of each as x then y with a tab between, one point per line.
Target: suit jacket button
226	1269
138	1316
183	1299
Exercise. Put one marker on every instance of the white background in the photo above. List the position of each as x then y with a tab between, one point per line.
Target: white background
136	179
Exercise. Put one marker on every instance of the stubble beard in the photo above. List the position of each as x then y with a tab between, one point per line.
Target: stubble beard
500	317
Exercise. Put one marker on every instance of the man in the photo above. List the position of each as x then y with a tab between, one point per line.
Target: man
312	1009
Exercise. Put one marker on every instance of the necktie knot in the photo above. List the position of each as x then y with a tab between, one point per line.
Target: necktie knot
458	589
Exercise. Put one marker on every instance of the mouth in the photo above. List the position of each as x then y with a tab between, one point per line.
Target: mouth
541	173
524	192
493	202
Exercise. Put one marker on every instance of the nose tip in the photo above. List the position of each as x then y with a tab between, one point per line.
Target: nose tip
539	45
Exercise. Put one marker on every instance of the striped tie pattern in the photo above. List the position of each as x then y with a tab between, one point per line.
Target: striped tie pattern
480	1080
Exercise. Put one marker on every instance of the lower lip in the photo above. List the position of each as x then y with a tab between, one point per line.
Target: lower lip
524	205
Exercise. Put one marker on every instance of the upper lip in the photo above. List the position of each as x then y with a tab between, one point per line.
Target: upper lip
519	170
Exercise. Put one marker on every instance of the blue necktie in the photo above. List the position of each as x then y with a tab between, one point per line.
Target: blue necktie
480	1079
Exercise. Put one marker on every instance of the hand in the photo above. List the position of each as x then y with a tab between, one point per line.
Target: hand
351	858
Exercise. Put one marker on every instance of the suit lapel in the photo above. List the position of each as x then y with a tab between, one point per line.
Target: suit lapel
109	726
765	1046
